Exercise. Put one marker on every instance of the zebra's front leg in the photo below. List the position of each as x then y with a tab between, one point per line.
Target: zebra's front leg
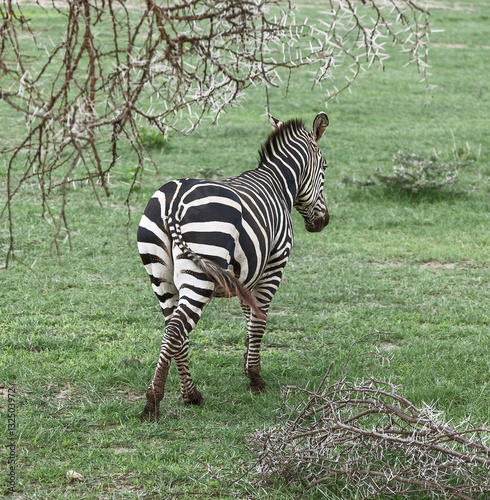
255	332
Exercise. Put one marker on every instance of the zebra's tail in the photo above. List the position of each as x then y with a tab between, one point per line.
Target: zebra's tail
222	278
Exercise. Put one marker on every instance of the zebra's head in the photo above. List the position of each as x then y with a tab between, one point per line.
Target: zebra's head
310	199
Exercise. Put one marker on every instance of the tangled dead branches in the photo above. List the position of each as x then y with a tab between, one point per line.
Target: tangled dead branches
365	439
86	84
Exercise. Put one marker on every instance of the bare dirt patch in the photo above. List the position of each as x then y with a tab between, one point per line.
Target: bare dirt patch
437	266
131	395
388	346
429	5
457	45
119	449
385	263
64	393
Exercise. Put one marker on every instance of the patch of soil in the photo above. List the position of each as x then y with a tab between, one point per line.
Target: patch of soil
434	4
435	265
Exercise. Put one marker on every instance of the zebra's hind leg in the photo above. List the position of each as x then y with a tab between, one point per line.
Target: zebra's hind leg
175	344
251	361
154	394
190	394
168	297
156	390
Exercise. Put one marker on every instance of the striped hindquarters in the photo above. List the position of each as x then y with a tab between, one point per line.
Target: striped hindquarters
201	223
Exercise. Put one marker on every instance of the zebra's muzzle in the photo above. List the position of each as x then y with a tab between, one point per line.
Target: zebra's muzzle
317	223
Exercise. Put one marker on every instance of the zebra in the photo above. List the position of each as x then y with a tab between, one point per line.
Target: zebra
199	239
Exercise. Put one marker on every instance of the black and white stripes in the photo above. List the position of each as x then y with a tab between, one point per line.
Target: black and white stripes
200	239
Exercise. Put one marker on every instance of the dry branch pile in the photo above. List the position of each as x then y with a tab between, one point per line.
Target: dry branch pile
365	439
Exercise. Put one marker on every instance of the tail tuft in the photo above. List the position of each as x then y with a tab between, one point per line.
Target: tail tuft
228	283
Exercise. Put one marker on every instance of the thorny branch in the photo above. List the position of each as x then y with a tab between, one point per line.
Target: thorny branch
363	438
115	66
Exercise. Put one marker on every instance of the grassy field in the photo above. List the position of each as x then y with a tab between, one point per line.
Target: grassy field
415	266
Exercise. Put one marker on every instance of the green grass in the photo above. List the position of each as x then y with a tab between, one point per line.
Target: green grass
416	266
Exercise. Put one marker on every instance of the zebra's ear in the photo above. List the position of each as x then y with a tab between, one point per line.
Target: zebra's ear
320	124
274	122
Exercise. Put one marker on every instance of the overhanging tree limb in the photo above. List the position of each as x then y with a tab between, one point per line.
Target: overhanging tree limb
87	87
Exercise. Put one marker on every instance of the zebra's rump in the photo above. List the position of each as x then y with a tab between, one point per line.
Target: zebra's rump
209	224
215	221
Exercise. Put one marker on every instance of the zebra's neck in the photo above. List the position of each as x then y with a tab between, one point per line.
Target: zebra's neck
284	159
268	181
283	163
283	178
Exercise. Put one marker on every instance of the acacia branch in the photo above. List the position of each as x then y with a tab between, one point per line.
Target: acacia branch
85	90
364	438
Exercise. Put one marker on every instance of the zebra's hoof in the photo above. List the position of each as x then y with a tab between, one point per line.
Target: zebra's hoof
196	399
148	415
257	386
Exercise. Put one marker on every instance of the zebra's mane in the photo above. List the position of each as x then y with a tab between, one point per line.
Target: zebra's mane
277	135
